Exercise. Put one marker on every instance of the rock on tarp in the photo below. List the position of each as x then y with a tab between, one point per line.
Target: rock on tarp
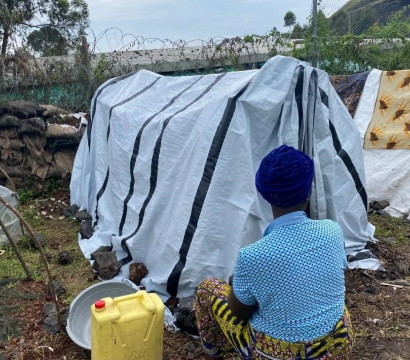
167	166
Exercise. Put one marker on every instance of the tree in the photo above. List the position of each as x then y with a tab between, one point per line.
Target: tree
48	41
290	19
299	31
68	17
248	38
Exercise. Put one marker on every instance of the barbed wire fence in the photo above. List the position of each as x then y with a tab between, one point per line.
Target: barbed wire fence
345	37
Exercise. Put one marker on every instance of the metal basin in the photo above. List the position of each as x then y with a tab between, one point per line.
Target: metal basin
79	320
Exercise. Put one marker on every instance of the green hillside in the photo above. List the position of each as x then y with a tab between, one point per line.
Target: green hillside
357	16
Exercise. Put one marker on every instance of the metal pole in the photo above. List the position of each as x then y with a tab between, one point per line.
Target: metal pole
314	25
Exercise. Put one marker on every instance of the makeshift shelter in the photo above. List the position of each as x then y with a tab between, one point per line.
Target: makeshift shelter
167	167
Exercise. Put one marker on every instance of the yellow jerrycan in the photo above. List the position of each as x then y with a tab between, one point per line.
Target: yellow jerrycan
128	327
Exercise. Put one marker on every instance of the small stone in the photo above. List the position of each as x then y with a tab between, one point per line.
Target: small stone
50	325
49	309
391	240
106	264
101	249
378	322
349	303
59	288
402	268
83	216
372	289
86	229
137	272
71	211
39	239
185	315
185	320
380	205
381	275
64	258
363	295
48	256
187	303
363	255
190	347
371	300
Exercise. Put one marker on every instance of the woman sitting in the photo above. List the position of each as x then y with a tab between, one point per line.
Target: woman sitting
288	292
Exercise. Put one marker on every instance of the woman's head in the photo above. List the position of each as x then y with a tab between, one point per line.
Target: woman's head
285	176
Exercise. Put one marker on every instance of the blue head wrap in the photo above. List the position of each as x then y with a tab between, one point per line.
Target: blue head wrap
285	177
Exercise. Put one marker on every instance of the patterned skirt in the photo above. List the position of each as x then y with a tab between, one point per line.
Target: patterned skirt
222	332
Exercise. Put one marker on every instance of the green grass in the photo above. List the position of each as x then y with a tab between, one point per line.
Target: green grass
59	234
11	267
387	227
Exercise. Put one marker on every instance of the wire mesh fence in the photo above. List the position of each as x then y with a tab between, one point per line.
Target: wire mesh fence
352	36
358	16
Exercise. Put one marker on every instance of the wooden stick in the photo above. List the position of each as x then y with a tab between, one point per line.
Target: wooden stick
392	285
16	250
8	178
42	256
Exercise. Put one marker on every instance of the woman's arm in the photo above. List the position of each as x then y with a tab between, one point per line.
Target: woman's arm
240	310
230	280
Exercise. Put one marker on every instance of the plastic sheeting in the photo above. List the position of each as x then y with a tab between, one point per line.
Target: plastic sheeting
10	220
167	166
387	171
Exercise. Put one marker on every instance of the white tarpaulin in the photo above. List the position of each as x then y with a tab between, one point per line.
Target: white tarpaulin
167	166
10	220
387	171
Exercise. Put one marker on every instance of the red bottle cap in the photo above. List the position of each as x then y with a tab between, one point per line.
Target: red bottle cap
100	304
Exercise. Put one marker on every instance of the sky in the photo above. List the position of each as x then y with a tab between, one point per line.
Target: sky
188	19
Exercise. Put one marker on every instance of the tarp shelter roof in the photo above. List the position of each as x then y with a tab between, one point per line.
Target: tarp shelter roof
167	166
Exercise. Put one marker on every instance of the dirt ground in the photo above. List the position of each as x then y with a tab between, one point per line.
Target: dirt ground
380	311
